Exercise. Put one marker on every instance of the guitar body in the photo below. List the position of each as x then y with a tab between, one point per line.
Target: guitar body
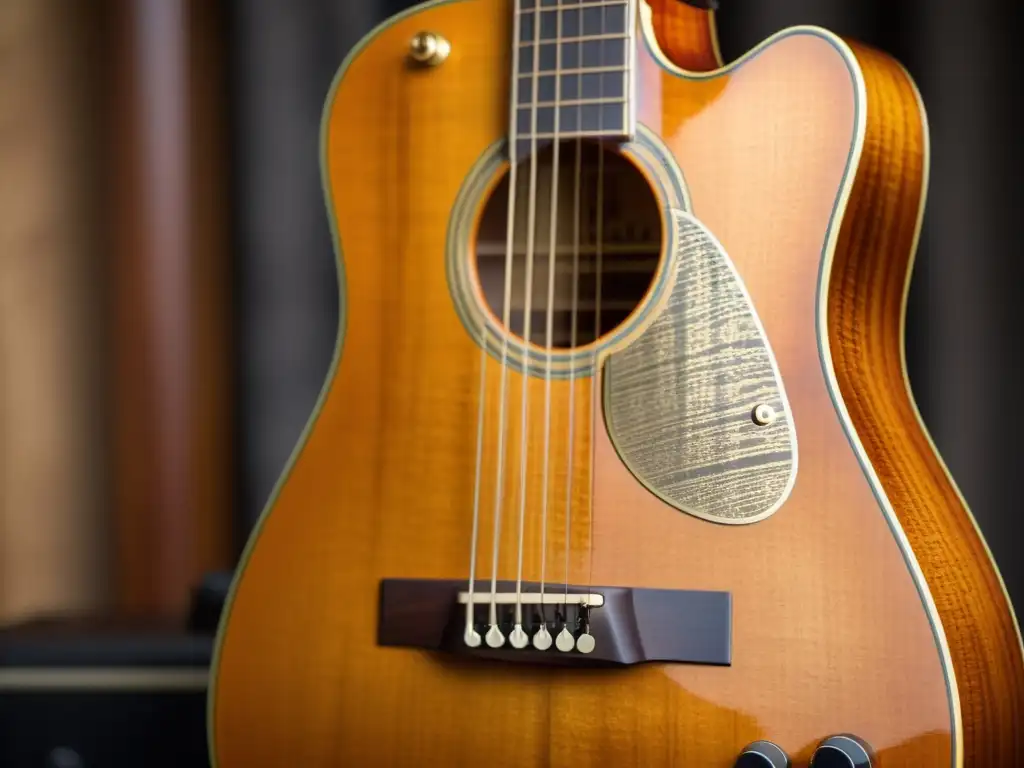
862	598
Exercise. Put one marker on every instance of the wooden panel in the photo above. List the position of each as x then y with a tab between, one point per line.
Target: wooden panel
172	506
211	390
52	516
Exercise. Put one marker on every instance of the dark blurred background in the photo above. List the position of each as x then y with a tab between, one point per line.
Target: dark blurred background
168	294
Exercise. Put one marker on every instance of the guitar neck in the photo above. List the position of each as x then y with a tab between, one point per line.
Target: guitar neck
572	71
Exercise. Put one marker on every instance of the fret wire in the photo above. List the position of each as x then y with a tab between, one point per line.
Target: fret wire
580	71
576	102
571	6
577	39
571	134
631	53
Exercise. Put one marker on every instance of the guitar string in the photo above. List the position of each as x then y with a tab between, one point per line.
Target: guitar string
542	638
573	331
518	637
494	636
573	339
508	274
598	276
471	636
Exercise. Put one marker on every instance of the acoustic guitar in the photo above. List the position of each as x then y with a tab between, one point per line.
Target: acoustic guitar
617	462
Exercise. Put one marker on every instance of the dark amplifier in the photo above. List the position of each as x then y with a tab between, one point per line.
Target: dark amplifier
106	694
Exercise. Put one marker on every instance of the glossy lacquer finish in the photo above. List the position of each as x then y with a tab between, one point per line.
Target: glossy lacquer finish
806	160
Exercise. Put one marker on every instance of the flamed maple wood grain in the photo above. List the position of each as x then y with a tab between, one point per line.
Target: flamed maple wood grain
831	633
687	35
866	308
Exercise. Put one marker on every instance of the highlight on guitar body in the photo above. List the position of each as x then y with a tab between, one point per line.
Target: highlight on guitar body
617	462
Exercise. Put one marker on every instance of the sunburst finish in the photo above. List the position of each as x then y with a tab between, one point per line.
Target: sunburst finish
856	604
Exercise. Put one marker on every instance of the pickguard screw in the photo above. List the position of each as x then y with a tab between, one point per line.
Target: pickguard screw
764	415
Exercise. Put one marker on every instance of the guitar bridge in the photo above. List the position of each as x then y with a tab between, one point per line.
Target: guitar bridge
595	626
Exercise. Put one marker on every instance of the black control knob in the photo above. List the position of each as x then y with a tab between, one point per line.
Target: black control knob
762	754
842	752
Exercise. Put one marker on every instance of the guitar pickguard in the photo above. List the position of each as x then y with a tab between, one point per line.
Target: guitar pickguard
696	407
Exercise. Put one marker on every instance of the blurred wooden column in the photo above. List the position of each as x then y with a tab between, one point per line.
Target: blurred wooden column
172	466
52	449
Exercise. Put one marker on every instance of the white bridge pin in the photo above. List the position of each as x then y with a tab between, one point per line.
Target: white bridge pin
585	643
472	637
494	637
542	638
565	642
519	638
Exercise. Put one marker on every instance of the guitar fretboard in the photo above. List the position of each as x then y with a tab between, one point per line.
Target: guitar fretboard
573	70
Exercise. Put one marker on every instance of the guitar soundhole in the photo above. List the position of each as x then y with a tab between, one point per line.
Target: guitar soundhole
615	234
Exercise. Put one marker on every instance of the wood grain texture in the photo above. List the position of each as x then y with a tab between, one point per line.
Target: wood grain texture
687	35
831	630
679	400
53	516
866	309
170	429
866	306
